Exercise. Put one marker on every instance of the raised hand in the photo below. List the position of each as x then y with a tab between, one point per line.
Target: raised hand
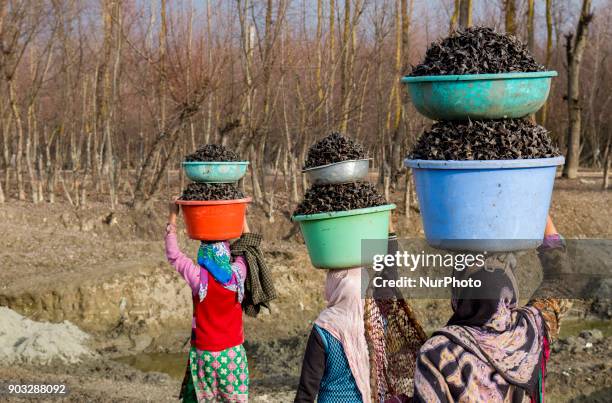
550	227
173	211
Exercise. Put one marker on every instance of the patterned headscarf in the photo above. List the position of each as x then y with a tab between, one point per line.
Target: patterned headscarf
507	340
489	305
215	258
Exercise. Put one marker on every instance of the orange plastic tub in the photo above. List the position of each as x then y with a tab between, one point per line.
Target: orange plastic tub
214	220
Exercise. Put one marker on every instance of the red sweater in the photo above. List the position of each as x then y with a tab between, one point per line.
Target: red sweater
218	319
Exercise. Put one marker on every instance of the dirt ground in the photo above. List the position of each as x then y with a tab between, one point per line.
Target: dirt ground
578	376
106	272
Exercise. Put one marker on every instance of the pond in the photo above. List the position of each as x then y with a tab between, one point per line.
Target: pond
173	364
574	327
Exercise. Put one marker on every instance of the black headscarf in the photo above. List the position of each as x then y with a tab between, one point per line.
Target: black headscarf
476	306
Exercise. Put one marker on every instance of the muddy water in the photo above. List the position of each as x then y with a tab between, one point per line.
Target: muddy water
574	327
173	364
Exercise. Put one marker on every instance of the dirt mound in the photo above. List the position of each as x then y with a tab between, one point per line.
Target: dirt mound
484	140
339	197
212	152
25	341
333	148
476	50
211	191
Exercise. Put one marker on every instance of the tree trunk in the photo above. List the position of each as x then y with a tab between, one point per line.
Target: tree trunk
318	76
181	172
65	189
549	44
111	88
332	63
162	64
273	188
401	59
289	143
530	26
209	108
95	161
28	155
606	168
407	192
455	16
257	196
55	165
465	14
2	200
345	67
19	152
267	64
510	12
38	156
6	155
386	183
48	166
575	45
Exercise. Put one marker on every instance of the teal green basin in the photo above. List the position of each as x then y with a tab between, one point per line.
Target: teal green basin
334	240
215	172
479	96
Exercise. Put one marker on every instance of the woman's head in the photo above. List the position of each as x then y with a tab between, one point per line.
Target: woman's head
341	285
215	257
492	304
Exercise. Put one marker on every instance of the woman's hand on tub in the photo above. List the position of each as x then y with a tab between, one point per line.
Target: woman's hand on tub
245	226
550	229
552	238
173	210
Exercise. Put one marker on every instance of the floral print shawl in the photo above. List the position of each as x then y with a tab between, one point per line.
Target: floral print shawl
490	350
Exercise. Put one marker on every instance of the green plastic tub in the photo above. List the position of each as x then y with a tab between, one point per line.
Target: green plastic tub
479	96
334	239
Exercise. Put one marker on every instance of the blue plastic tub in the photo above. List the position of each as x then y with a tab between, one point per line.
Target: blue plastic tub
498	205
215	171
479	96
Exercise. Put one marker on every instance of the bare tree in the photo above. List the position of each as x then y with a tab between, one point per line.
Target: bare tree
549	48
105	111
606	166
21	23
575	43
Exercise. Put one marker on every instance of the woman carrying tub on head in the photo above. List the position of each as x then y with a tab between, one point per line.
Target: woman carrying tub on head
218	369
492	350
335	366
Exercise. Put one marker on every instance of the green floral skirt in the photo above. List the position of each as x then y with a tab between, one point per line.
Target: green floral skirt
218	376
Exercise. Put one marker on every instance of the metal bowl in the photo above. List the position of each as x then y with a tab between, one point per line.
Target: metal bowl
338	172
